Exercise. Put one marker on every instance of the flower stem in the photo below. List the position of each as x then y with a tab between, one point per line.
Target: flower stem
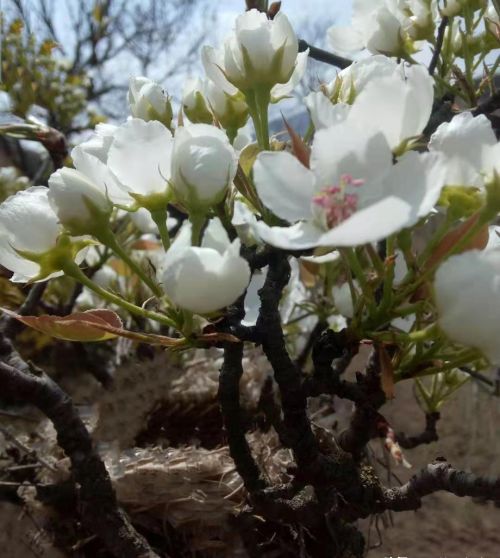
160	218
198	222
71	269
108	239
355	265
262	98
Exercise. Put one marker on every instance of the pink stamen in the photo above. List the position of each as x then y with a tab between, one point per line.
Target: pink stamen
337	204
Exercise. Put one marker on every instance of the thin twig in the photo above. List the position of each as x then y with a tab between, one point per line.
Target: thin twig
324	56
439	45
20	446
440	476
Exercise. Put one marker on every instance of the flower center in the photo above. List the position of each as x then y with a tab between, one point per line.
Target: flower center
336	203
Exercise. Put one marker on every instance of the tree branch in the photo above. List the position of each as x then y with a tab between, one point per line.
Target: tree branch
229	399
439	45
365	416
299	433
437	476
324	56
98	505
489	106
428	436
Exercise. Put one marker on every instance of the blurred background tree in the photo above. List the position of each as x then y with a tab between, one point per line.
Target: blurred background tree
68	63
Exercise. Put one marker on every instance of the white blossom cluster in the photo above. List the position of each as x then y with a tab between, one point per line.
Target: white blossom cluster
368	173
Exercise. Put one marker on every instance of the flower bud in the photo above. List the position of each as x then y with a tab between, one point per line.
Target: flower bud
231	111
194	103
207	278
466	288
81	206
30	235
455	7
148	101
203	165
261	52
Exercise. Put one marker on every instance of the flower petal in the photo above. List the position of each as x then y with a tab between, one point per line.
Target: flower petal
323	112
301	236
140	156
99	174
345	40
281	90
284	185
29	221
345	148
465	142
466	288
370	224
403	104
213	62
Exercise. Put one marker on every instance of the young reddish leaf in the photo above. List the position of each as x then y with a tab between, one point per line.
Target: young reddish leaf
92	325
80	326
217	337
299	148
386	373
477	242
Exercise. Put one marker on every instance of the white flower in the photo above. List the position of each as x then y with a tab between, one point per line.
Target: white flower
27	224
353	79
148	101
261	52
99	143
245	223
455	7
468	145
252	299
230	111
144	222
467	291
384	26
323	112
194	102
395	99
90	159
398	104
207	278
140	157
342	297
80	205
352	195
373	26
203	165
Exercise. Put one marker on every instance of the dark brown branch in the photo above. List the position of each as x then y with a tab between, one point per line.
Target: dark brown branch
311	340
331	356
439	45
229	399
98	505
324	56
299	433
439	476
364	419
428	436
489	106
